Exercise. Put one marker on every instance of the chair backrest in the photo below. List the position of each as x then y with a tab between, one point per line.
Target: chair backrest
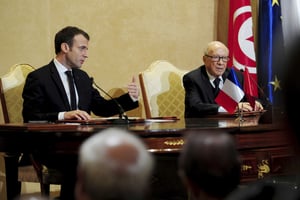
11	88
162	90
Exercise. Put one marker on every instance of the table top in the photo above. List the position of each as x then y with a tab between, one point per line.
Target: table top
152	125
160	134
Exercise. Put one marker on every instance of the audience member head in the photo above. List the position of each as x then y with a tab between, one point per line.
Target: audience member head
215	58
32	197
113	164
209	164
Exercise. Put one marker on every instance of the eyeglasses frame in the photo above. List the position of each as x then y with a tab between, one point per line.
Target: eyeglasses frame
218	58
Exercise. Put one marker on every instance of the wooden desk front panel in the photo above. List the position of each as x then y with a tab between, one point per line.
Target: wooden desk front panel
265	150
264	153
267	163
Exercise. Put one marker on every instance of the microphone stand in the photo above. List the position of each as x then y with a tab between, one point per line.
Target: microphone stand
260	90
123	118
267	117
240	114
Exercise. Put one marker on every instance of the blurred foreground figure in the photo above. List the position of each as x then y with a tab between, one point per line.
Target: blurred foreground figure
32	197
209	164
114	164
288	189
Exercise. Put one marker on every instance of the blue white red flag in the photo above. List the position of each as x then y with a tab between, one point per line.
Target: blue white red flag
231	93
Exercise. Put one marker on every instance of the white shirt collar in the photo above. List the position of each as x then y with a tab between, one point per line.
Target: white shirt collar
60	68
212	78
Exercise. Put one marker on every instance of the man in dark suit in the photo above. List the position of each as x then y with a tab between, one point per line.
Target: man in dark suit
46	92
47	97
199	84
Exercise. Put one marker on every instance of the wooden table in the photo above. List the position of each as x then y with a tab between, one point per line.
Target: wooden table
265	149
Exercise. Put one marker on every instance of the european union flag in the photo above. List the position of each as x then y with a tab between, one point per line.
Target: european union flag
270	53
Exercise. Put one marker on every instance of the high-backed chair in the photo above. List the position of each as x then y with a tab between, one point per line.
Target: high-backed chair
162	90
11	88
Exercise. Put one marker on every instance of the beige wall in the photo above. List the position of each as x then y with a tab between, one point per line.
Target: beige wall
126	35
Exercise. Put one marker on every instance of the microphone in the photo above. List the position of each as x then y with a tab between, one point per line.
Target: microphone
267	117
123	118
261	91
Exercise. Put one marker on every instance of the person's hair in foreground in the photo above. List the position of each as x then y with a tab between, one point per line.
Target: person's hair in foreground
209	164
113	164
32	197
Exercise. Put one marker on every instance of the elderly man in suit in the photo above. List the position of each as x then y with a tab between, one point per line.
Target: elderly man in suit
200	84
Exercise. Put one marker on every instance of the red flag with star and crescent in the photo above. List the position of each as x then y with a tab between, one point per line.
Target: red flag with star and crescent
241	42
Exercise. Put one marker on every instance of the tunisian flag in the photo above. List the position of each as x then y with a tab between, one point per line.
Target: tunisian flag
241	43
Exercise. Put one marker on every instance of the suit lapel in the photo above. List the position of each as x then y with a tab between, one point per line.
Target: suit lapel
208	86
82	83
57	81
80	86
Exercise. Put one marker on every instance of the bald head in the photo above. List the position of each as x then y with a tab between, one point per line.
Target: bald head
121	156
213	46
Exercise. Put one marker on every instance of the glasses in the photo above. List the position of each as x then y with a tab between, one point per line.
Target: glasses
218	58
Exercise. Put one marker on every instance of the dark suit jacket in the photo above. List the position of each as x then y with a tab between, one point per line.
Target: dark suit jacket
44	96
199	93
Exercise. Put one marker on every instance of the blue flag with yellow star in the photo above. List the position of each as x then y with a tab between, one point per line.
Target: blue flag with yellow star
270	50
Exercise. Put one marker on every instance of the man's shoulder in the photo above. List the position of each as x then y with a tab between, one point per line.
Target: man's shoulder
43	69
236	71
195	71
79	72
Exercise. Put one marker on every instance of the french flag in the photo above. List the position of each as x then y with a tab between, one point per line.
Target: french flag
231	93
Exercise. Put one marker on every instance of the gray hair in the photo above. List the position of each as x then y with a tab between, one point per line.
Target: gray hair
116	165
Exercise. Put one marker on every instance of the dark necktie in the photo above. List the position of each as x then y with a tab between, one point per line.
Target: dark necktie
217	89
72	90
